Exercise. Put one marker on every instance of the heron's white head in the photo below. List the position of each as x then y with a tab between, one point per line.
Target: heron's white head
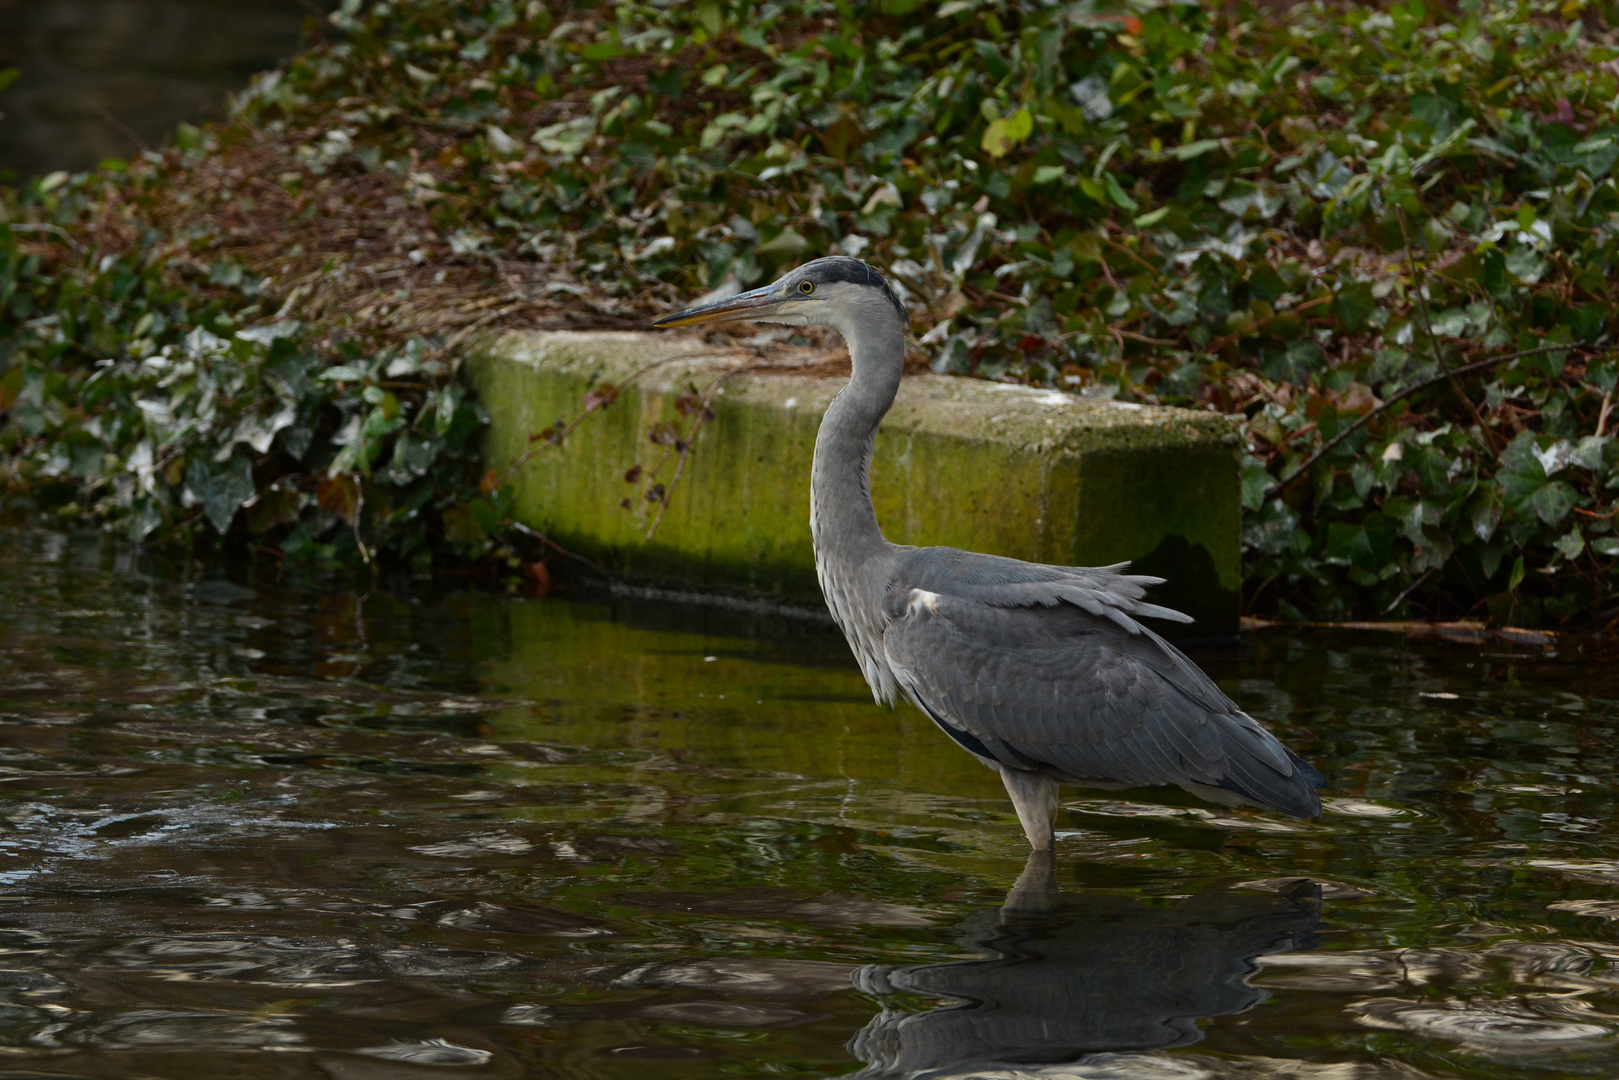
843	293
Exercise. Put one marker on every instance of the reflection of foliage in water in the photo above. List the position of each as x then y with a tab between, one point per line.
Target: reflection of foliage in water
1214	208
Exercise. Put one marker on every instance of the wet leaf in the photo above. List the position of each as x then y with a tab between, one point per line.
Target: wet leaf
340	494
275	507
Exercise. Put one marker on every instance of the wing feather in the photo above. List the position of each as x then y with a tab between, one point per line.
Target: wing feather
1103	591
1064	690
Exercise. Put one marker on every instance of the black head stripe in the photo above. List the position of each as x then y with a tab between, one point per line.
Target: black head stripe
843	268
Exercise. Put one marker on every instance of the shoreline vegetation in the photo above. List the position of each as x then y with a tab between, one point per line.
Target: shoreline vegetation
1386	237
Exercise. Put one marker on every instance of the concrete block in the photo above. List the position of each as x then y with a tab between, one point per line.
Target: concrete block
1033	474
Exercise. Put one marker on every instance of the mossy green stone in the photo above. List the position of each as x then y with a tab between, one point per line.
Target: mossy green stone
1033	474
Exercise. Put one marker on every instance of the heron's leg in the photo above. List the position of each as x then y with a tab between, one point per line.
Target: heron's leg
1034	796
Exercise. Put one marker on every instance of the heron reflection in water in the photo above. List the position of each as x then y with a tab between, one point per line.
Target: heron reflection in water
1061	978
1044	673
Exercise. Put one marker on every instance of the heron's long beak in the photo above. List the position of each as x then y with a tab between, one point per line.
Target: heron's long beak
756	304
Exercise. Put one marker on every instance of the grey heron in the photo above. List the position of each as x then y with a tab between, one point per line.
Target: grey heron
1044	673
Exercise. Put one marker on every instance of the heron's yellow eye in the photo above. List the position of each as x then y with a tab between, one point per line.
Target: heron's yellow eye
806	287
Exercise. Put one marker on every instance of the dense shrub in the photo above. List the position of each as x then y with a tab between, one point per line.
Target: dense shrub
134	393
1305	218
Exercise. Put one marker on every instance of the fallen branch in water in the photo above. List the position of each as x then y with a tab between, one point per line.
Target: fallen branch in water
1464	630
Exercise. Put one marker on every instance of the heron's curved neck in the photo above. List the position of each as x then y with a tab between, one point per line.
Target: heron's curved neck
843	522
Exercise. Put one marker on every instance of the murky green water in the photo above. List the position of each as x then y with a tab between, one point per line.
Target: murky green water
267	831
109	78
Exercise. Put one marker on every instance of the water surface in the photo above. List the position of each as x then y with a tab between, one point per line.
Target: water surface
251	829
110	78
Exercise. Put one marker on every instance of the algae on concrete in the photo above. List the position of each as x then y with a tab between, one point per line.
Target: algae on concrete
1010	470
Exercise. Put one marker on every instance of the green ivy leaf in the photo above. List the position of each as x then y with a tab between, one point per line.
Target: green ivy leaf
1353	304
1348	543
1486	515
1004	135
1256	481
487	517
1118	195
222	488
1570	544
1188	151
1553	501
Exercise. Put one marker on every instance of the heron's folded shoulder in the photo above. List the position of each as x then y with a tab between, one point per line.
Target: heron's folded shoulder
1103	591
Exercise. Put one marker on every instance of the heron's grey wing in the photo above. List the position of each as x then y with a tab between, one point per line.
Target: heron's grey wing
1058	689
1103	591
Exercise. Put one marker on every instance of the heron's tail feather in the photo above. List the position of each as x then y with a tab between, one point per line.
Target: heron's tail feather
1263	772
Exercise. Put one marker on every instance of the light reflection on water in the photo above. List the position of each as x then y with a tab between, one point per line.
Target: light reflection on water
262	830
